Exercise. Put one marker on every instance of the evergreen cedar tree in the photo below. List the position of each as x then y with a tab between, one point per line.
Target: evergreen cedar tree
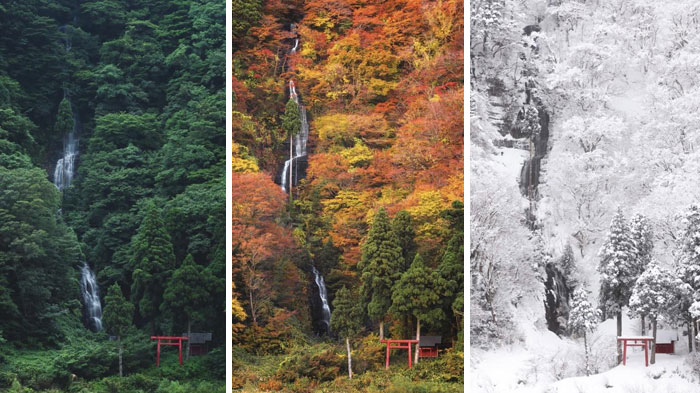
451	272
291	120
153	261
583	318
380	268
653	295
117	317
617	266
402	225
418	292
187	293
347	319
689	266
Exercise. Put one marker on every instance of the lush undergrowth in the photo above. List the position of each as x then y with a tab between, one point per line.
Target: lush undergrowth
322	367
90	365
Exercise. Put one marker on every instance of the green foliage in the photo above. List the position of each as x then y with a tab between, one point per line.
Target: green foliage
402	225
380	266
451	270
188	290
245	14
144	83
417	292
291	120
37	255
368	354
120	130
347	316
118	312
64	119
16	129
152	262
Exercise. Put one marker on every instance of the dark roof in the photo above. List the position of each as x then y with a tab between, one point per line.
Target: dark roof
429	341
198	338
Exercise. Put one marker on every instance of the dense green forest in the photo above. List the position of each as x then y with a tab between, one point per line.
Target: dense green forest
112	193
348	213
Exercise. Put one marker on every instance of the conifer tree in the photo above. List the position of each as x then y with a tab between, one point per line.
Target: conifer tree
291	124
188	293
291	119
582	319
688	269
418	292
451	271
617	270
153	262
652	295
64	119
642	236
380	267
567	265
346	319
402	225
117	317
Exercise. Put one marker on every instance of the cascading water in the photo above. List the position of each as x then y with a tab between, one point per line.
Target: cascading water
65	167
62	178
325	310
91	295
298	153
299	144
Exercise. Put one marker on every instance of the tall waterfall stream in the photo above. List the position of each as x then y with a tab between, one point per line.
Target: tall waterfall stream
62	178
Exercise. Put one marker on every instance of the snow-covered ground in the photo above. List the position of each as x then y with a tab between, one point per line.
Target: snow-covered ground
544	363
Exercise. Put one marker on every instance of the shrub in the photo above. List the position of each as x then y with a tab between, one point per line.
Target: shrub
318	363
369	355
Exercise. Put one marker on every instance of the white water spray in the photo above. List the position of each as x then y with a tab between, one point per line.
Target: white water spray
326	311
91	296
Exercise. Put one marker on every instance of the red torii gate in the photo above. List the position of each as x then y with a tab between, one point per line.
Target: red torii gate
642	341
398	344
168	340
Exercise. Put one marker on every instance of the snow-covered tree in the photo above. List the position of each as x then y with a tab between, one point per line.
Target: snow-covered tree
642	236
688	269
583	318
567	265
652	295
617	270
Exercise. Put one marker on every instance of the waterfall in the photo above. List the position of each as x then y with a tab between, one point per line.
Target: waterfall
299	141
62	178
65	167
326	311
91	296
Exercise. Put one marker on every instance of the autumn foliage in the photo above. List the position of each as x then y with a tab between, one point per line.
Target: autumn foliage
383	85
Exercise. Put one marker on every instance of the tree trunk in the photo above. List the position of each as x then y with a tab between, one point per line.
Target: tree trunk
347	345
189	337
415	356
119	342
619	333
653	345
381	330
690	338
643	327
585	349
252	308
